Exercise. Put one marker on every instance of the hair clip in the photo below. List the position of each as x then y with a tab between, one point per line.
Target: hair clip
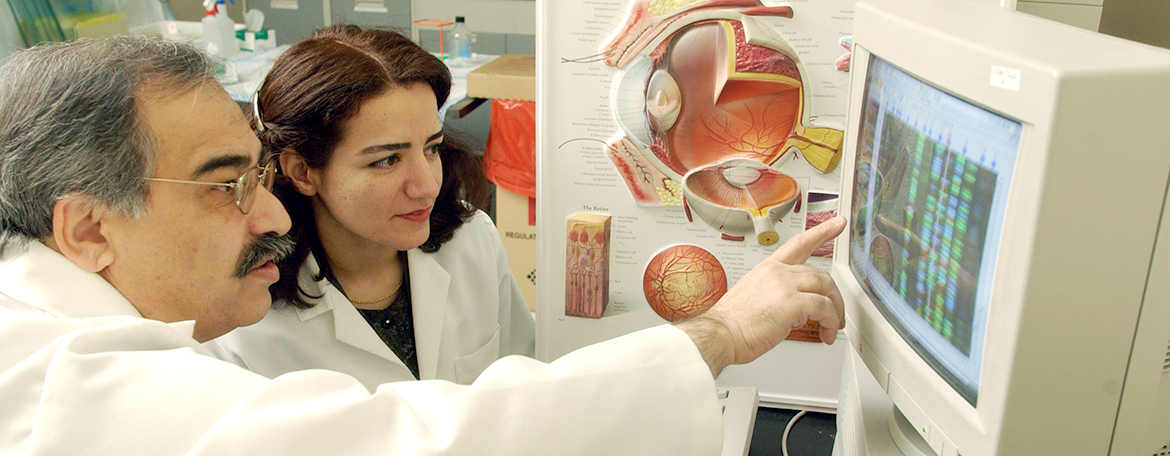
256	111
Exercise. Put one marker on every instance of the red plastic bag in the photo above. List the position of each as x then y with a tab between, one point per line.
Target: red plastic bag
509	160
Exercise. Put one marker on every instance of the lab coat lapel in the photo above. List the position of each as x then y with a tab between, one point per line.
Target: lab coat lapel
429	284
353	329
349	327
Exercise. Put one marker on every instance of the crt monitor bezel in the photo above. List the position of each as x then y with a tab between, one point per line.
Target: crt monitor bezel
1068	299
928	400
990	144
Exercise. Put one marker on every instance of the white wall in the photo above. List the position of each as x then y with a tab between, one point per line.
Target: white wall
491	16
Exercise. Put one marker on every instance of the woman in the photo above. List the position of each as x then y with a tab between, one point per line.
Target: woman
395	276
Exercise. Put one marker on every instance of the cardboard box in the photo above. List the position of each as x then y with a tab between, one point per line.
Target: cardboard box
255	41
515	220
510	77
101	26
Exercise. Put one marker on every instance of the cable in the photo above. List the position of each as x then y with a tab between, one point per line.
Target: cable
787	429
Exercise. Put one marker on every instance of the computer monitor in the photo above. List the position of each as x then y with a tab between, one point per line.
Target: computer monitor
1005	179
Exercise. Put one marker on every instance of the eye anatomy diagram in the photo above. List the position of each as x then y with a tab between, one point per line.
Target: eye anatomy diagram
683	280
682	142
702	84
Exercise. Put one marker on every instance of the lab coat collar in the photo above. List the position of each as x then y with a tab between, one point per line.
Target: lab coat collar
36	275
429	284
39	276
305	278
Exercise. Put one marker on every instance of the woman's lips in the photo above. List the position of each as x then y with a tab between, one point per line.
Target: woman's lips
418	216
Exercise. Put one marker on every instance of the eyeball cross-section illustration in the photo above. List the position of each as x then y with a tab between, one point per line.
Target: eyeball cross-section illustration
647	20
740	197
713	86
683	280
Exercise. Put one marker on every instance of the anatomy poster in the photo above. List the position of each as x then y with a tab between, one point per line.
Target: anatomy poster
679	143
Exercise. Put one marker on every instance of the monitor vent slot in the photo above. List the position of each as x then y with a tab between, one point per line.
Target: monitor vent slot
1165	451
1166	362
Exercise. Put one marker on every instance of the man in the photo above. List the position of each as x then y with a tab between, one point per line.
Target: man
136	223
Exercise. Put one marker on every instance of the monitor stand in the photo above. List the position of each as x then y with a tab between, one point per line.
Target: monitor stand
868	424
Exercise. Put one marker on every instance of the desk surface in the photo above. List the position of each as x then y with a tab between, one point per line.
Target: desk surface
252	67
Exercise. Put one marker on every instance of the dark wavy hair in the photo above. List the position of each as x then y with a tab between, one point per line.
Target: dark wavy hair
312	90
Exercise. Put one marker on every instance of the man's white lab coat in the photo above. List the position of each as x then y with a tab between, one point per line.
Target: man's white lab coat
468	312
84	373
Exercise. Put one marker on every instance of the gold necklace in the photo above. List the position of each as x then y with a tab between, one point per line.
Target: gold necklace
391	295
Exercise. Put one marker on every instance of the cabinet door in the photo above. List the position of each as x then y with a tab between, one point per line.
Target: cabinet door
1077	14
392	14
293	20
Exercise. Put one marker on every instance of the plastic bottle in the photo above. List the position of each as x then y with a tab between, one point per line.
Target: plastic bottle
211	35
460	44
227	29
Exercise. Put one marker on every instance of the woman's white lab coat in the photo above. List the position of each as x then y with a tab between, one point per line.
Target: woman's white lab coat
82	372
468	312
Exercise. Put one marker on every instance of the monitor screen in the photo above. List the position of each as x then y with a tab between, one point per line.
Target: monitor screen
931	181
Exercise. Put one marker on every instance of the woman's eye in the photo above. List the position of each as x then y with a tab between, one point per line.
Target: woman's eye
434	149
226	187
390	160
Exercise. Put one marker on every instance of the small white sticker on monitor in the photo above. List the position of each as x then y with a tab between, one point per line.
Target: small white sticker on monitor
1005	78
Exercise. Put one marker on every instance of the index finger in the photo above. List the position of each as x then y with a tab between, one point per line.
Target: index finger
800	247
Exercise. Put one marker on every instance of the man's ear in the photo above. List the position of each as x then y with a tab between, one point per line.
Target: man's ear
304	178
78	232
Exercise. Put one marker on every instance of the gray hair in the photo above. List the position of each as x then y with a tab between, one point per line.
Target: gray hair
69	124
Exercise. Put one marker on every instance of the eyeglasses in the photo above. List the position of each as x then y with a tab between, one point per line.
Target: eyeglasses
244	186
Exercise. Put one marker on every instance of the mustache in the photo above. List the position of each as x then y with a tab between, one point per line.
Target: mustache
265	248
